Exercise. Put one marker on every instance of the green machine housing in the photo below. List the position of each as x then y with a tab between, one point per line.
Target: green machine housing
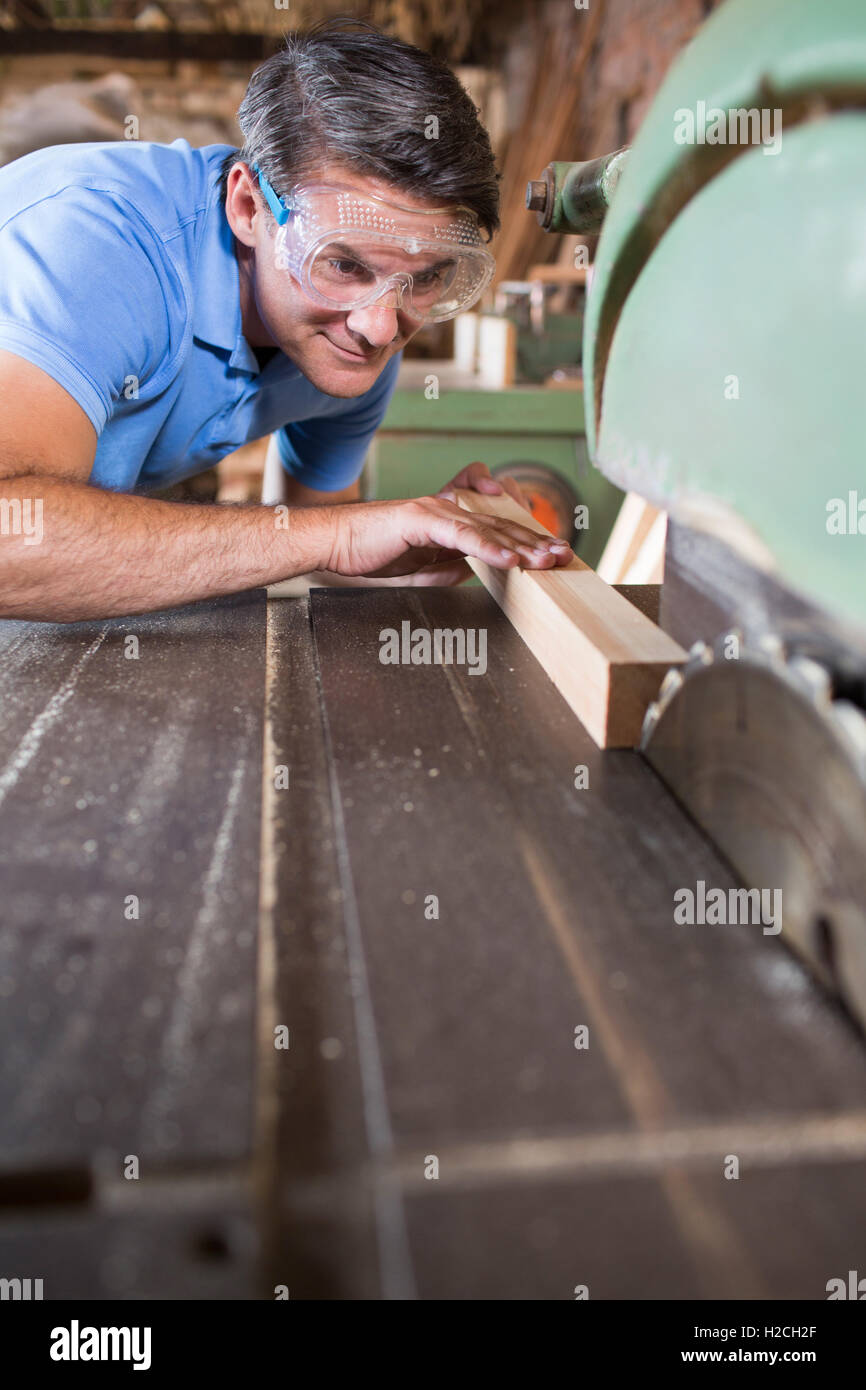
725	381
725	336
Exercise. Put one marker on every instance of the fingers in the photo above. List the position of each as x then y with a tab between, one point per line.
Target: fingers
535	549
475	476
500	543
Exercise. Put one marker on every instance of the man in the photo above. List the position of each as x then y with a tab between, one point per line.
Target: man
160	306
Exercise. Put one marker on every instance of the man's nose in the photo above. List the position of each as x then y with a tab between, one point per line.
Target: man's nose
376	323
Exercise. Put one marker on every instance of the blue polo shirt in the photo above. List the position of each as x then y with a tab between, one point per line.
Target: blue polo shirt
118	278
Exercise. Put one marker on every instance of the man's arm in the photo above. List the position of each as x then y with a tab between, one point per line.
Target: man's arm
100	553
86	552
280	485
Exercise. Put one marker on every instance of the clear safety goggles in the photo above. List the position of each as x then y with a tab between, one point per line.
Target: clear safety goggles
348	250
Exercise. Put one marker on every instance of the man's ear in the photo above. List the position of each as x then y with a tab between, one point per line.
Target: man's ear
242	203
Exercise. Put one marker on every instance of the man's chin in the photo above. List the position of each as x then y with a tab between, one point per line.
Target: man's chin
345	385
337	376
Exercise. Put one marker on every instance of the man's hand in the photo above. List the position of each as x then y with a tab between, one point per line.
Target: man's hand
420	566
478	478
427	537
431	541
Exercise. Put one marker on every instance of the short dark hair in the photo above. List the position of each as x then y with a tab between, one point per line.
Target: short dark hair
345	93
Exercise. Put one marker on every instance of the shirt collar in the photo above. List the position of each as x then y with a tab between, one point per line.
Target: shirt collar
217	314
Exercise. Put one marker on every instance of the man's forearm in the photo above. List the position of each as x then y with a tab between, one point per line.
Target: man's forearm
82	552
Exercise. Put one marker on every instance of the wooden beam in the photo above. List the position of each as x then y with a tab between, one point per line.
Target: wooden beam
605	657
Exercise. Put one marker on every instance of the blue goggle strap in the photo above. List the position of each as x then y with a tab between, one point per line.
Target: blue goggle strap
277	205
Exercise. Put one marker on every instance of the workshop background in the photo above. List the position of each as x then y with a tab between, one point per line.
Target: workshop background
542	76
407	1012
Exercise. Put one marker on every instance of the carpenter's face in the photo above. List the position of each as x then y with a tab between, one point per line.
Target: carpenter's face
341	352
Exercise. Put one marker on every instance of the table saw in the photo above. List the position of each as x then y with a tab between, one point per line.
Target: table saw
400	1012
329	978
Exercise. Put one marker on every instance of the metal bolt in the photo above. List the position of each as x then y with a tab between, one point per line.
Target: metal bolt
536	195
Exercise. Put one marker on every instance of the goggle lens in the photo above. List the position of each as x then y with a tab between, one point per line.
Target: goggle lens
349	252
343	277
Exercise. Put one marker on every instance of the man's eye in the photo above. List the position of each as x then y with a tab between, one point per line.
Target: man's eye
347	269
436	275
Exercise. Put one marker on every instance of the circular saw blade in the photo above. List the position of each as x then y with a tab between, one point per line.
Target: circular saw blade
774	770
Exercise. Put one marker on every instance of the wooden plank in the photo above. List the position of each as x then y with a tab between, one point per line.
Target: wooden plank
603	655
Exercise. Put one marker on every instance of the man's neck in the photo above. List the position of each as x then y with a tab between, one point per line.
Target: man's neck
252	327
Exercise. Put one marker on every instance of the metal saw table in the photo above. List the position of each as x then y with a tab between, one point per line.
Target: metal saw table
431	1130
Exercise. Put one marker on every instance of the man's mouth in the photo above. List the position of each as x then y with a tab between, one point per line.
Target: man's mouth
351	355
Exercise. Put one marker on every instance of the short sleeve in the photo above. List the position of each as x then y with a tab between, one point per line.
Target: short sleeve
87	293
327	452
